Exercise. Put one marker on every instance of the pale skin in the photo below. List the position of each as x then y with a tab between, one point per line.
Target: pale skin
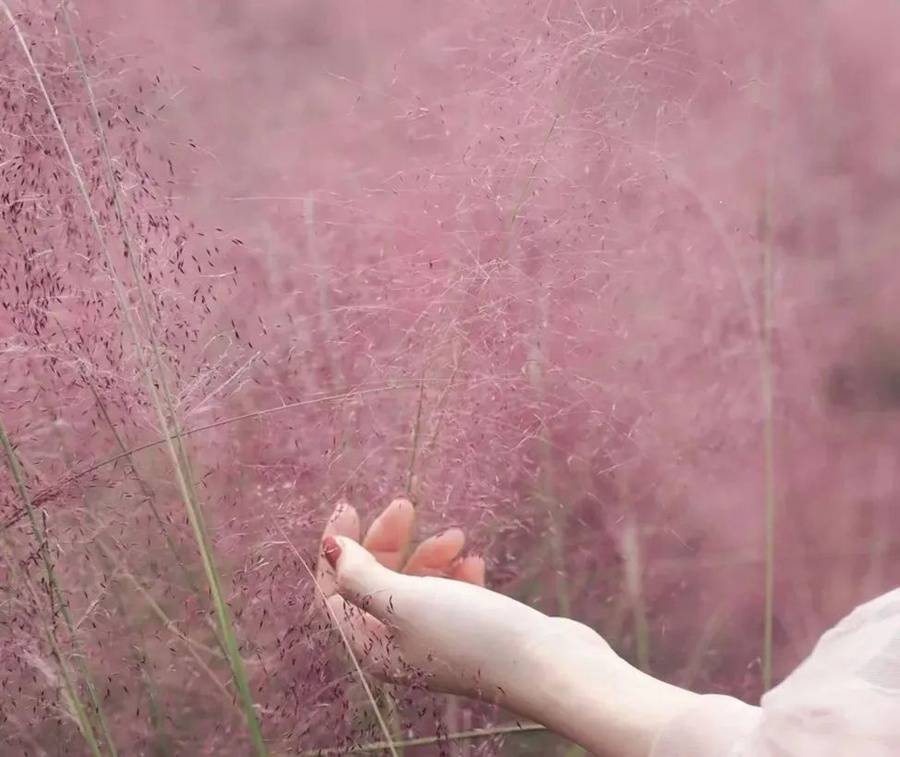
430	618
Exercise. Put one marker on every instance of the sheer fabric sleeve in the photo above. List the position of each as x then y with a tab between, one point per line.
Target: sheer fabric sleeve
711	728
844	699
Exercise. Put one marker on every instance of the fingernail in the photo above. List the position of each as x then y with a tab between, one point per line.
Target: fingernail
331	550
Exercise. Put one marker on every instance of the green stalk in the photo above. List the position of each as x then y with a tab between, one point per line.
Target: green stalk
55	592
631	553
476	733
416	431
768	439
74	701
159	392
556	520
70	693
165	408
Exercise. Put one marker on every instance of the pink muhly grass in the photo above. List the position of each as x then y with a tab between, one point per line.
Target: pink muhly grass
611	285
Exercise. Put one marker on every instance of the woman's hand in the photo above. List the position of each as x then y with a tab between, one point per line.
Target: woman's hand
428	619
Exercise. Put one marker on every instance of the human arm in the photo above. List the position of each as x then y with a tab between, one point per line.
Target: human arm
436	622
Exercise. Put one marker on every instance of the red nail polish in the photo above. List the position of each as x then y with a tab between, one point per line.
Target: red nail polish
332	550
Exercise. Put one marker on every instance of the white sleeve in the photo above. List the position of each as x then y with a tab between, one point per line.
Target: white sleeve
713	727
843	700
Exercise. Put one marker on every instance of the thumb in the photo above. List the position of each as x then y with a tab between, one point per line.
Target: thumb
361	579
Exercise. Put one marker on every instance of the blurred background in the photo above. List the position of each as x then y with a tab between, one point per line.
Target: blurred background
612	286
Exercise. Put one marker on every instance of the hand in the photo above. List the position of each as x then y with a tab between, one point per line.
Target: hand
430	620
427	618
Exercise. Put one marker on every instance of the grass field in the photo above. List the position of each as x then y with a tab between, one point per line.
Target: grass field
612	286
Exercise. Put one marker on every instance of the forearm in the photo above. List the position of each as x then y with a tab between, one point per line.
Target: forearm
575	684
464	639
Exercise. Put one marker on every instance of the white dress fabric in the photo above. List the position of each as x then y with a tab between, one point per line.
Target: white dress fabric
842	701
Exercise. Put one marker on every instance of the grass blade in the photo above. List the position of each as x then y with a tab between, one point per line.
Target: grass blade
55	591
161	396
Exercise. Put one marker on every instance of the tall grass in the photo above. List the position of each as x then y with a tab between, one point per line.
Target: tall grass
158	388
59	606
514	264
157	381
767	358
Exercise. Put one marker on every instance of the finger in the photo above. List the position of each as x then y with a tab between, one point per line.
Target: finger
344	521
434	556
469	569
388	537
